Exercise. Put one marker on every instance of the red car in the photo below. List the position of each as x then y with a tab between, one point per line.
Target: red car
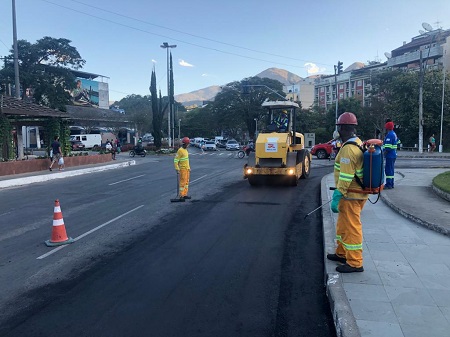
322	150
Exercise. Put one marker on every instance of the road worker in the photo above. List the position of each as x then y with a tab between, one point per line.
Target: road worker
390	152
348	203
282	121
181	162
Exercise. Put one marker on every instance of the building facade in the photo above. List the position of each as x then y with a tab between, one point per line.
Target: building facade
431	49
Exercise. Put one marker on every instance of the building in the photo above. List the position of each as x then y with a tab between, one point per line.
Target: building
302	91
431	49
352	82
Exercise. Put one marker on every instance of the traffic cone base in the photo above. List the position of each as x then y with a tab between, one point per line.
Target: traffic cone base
59	235
49	243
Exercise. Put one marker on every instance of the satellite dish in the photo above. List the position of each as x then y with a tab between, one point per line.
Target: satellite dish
388	55
421	32
427	27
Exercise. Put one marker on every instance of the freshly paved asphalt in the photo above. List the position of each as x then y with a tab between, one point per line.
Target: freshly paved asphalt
405	288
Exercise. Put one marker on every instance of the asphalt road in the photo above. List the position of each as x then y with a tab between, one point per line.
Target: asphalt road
234	261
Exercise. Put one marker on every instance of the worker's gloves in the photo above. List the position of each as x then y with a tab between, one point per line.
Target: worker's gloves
337	196
178	171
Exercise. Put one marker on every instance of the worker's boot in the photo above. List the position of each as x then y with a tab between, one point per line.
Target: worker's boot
345	268
187	197
337	258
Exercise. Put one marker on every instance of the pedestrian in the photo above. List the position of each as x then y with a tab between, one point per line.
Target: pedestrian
347	201
113	150
390	153
181	162
432	143
57	153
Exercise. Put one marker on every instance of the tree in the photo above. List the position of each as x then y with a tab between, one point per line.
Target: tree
45	67
239	103
158	111
139	110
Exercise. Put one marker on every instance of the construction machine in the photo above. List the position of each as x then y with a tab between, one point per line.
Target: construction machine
280	155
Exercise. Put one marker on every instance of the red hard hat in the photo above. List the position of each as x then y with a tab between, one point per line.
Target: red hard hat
185	140
348	118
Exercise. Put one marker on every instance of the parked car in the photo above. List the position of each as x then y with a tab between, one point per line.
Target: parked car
209	145
232	145
221	143
322	150
77	145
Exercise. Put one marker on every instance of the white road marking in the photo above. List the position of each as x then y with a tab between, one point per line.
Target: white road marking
193	181
121	181
89	232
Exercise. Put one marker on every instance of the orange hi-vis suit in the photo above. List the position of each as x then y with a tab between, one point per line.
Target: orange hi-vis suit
181	162
349	236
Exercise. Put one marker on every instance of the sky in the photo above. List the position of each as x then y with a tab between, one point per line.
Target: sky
218	42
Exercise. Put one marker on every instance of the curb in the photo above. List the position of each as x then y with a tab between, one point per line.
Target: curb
344	320
59	175
444	195
432	226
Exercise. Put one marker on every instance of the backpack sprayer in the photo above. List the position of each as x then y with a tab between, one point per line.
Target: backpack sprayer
373	171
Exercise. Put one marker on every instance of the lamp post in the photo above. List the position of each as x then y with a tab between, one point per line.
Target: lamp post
16	52
256	127
179	129
421	104
166	46
442	111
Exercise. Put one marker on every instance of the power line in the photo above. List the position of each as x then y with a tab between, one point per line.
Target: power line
172	39
193	35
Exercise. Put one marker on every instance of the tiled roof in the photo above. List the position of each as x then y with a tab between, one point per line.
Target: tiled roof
17	107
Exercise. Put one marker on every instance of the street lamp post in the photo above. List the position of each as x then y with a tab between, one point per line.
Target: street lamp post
166	46
179	129
256	127
421	103
442	111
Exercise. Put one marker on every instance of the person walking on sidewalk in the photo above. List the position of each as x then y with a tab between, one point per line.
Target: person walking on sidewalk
181	162
390	152
57	153
347	201
432	143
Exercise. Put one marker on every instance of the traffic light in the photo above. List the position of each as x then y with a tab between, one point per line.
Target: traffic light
339	67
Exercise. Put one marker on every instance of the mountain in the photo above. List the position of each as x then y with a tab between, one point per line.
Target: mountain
198	96
281	75
206	94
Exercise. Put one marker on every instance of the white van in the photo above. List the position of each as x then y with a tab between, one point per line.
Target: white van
89	141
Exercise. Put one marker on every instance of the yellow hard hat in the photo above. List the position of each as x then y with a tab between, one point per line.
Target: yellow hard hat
284	111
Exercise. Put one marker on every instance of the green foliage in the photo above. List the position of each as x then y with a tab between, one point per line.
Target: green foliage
442	181
233	110
44	66
139	110
6	140
158	112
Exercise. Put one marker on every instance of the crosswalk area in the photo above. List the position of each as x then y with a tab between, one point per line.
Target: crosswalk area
223	154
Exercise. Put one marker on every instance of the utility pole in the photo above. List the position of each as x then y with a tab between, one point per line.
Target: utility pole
421	104
166	46
336	89
442	111
337	71
16	52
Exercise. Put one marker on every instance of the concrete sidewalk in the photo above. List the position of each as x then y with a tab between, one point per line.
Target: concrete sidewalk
40	176
405	288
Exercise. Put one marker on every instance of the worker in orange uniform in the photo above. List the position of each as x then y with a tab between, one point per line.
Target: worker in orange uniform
346	199
181	162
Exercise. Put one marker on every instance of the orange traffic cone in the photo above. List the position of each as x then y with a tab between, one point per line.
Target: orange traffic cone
59	235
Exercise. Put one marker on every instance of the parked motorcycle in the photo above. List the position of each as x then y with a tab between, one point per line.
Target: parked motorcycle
138	151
